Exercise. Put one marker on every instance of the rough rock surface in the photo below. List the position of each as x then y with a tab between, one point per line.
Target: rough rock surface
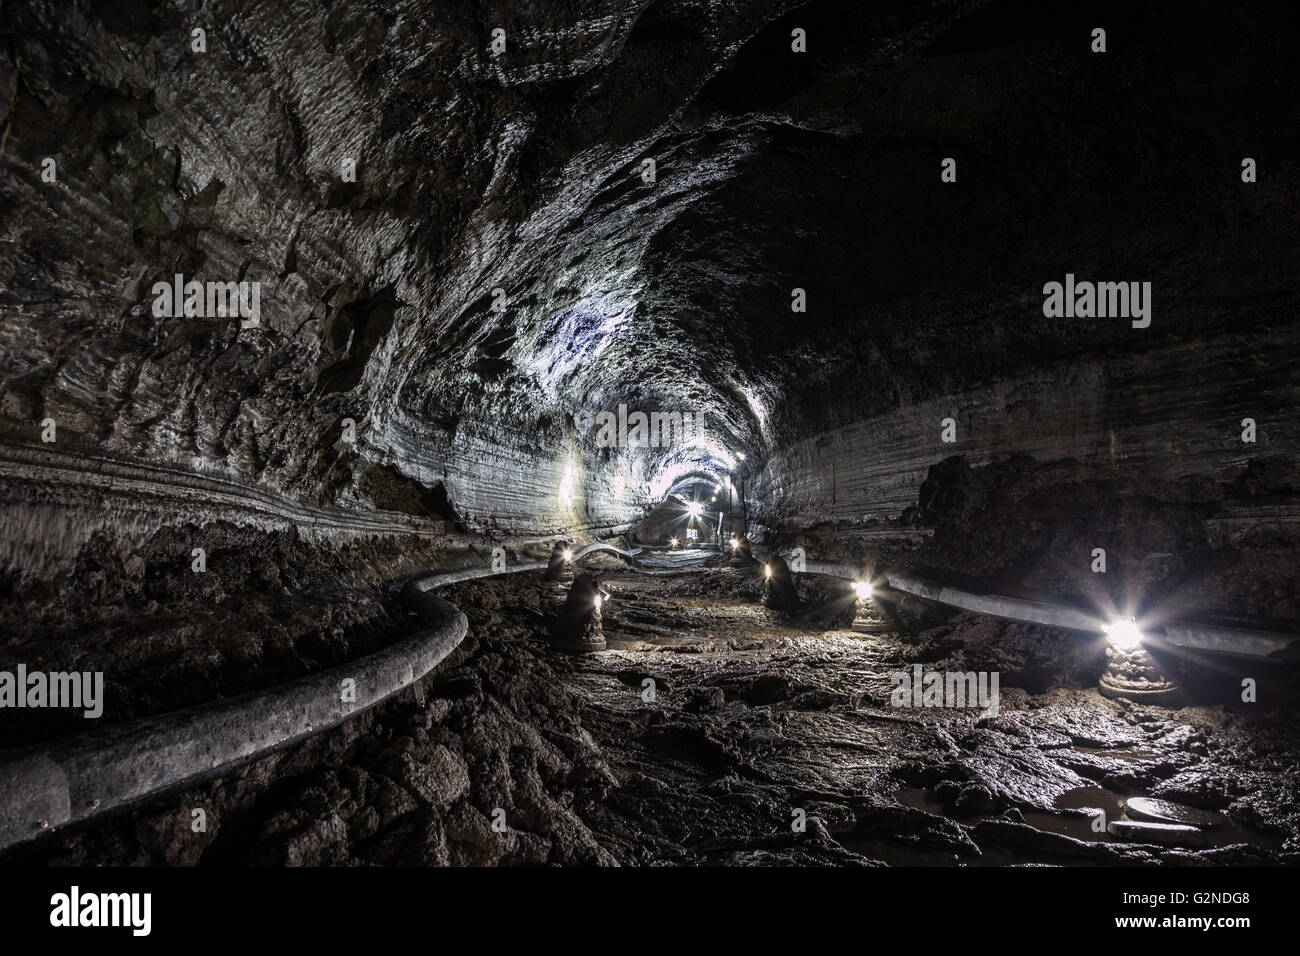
475	411
750	717
522	172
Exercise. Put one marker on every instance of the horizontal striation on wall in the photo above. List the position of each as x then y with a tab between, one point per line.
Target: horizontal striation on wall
1169	414
52	503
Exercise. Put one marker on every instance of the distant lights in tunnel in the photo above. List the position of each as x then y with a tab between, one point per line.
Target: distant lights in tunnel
1124	633
672	542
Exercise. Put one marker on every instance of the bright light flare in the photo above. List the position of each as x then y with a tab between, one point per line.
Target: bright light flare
568	554
695	508
673	542
767	570
1124	633
863	589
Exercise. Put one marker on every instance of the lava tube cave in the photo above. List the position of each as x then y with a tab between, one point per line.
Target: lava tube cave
757	434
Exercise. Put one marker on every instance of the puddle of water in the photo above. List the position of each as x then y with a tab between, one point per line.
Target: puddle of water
1085	798
1079	807
919	798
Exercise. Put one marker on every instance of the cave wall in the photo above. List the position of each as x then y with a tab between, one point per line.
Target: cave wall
474	172
1165	414
523	172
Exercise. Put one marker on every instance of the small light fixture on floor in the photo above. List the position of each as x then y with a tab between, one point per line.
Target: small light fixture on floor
1131	672
867	617
1123	633
779	591
577	628
741	555
560	565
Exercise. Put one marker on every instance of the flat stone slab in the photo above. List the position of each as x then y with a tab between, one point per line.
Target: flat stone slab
1163	811
1169	834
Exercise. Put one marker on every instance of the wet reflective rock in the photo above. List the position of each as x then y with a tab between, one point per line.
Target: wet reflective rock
1168	834
1133	674
1163	811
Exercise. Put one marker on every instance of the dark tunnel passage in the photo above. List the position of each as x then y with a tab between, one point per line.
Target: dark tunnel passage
853	434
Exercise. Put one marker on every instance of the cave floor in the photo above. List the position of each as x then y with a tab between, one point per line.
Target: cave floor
716	732
725	724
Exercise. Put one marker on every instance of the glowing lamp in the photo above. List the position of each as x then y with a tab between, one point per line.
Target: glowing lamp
767	570
1123	633
694	509
863	589
568	554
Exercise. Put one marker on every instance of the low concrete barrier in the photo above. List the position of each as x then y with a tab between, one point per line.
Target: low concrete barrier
68	781
1223	640
1014	609
609	549
1227	640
